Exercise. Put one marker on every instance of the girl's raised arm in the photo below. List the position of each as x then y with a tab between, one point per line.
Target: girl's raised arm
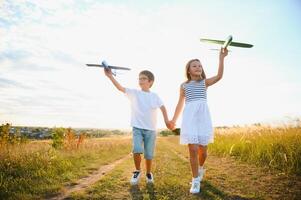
210	81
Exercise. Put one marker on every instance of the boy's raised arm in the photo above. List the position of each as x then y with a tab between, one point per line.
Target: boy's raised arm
109	74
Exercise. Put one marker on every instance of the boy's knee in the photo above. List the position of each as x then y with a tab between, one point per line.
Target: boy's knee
148	156
137	141
149	152
138	150
149	145
137	154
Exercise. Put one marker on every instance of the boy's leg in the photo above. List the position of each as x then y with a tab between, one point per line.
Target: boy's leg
137	147
137	150
148	164
149	148
137	161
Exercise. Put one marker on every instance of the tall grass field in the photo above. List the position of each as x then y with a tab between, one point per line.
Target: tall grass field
35	169
277	148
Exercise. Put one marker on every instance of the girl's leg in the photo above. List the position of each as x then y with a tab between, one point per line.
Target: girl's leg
194	163
202	155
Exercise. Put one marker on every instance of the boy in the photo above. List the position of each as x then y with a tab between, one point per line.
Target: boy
144	104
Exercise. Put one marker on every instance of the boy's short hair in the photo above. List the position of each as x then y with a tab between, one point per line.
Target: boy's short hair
149	75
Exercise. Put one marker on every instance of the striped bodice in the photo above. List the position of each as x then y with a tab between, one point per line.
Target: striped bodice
195	90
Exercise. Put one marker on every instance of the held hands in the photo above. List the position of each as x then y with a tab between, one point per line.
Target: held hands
171	125
223	53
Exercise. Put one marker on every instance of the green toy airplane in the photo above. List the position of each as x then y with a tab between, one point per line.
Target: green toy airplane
227	42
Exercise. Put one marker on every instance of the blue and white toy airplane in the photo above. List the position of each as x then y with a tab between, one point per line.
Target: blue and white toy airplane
227	42
105	65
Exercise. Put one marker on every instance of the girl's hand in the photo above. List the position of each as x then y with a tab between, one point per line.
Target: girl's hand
223	53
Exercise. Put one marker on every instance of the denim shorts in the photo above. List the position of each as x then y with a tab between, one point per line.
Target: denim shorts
144	142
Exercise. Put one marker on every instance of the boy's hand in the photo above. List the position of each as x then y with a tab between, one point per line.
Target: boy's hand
223	53
167	124
108	72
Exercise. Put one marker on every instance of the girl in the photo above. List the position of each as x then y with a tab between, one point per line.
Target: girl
196	129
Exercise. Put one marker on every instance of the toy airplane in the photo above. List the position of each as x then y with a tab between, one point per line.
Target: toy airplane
227	42
105	65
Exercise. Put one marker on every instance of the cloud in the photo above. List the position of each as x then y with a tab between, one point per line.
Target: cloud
5	83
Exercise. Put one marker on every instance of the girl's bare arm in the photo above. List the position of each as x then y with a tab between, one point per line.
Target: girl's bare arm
214	79
179	106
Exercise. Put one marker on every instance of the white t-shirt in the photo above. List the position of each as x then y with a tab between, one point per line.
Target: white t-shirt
143	108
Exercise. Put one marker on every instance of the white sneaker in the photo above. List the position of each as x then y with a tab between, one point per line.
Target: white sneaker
201	173
195	185
135	177
149	178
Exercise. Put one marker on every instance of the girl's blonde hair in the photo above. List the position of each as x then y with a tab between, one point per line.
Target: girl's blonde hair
203	75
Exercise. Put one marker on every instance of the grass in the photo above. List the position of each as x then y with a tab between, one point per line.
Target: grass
29	171
35	170
276	148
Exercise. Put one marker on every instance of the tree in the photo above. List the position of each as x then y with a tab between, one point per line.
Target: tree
58	137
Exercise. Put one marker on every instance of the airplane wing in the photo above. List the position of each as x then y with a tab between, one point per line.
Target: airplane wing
235	44
115	67
238	44
213	41
94	65
112	67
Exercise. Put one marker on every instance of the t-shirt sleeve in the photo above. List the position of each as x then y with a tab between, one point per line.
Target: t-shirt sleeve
131	94
158	101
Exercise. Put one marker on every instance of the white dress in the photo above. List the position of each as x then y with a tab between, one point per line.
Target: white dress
196	125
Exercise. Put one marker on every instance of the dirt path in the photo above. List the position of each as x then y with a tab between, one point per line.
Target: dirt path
242	179
172	181
85	182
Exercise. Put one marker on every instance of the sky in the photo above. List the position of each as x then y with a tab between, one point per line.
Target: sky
44	46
